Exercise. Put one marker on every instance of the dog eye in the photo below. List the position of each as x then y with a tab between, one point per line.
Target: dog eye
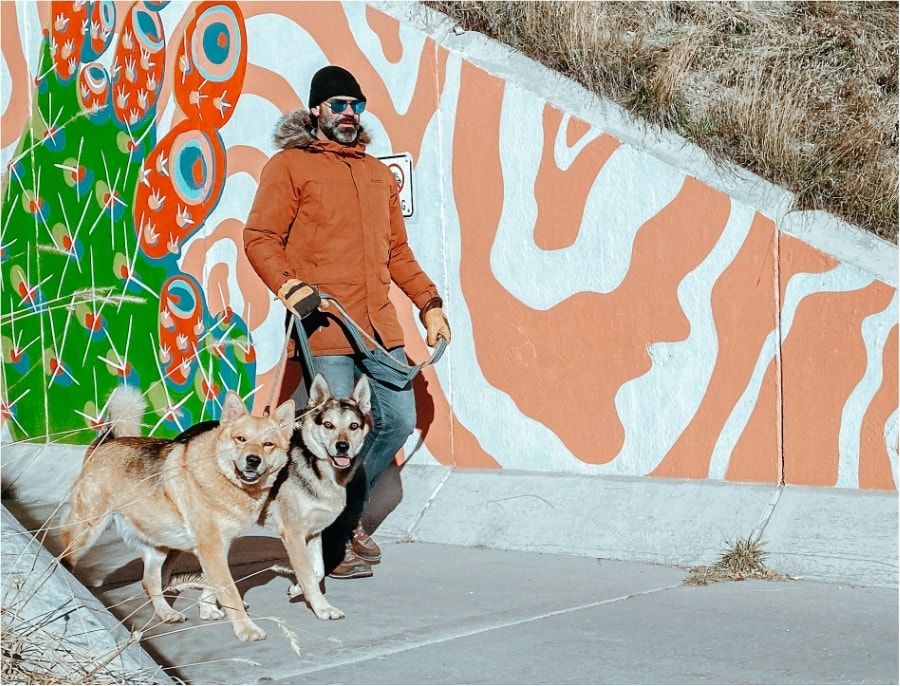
240	439
268	444
329	425
354	426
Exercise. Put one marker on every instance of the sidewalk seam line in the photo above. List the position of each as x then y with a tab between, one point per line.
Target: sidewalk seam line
374	655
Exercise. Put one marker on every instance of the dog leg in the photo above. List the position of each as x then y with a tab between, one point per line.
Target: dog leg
79	536
208	608
167	567
307	584
83	525
314	549
213	558
207	600
154	560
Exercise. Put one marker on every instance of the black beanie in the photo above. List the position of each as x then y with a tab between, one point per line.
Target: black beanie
330	81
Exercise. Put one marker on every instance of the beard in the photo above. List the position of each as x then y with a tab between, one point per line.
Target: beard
345	135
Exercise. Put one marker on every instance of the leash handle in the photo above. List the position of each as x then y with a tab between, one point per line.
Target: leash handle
359	337
358	334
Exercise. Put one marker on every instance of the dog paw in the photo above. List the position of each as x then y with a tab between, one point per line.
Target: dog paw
207	612
248	631
295	590
327	611
173	617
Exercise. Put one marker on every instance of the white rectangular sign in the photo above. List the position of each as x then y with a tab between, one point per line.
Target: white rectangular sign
401	166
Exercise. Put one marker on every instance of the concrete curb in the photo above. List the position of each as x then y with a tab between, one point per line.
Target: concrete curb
837	535
830	534
38	592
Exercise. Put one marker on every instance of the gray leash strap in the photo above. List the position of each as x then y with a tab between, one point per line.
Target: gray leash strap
395	371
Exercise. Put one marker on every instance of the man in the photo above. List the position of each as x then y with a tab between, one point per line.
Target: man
327	216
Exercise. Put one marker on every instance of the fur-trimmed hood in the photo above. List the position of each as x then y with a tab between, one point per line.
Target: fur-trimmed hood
295	130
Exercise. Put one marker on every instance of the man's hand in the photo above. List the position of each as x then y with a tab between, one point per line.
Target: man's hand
299	297
436	325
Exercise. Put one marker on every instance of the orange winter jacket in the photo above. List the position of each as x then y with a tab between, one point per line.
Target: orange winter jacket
329	214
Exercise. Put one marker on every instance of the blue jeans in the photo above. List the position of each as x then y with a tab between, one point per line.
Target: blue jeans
393	421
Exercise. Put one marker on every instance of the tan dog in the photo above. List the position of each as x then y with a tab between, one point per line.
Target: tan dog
195	493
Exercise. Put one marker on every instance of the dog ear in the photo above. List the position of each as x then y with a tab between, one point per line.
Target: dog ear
362	394
233	407
319	391
284	415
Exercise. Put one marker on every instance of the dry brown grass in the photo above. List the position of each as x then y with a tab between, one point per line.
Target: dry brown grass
802	93
744	559
42	647
32	655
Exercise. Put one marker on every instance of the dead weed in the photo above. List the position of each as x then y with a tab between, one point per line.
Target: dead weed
743	560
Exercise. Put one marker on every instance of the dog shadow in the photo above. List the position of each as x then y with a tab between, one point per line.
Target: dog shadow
385	496
387	491
248	559
255	562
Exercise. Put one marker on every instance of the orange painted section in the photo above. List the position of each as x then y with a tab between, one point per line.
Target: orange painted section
575	129
744	312
44	13
273	87
561	195
816	387
17	110
757	454
247	159
874	461
448	440
388	31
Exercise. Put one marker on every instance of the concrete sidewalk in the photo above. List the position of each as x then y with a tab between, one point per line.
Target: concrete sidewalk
449	614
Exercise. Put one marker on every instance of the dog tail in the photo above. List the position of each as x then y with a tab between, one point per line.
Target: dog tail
125	410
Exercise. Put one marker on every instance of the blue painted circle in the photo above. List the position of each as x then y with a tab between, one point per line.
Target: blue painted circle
192	172
216	42
181	300
148	30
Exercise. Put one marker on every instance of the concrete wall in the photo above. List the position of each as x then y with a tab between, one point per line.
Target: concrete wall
619	306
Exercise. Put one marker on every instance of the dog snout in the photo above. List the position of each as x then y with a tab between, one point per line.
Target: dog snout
253	461
342	447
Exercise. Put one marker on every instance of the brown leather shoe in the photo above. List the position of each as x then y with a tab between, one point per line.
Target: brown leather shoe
364	546
351	567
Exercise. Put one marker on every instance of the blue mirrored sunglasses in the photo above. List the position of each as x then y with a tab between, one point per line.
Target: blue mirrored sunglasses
338	106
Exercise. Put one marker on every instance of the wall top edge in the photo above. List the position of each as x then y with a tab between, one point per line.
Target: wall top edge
818	229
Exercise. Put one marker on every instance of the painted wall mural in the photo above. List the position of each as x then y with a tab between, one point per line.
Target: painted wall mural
611	314
96	209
